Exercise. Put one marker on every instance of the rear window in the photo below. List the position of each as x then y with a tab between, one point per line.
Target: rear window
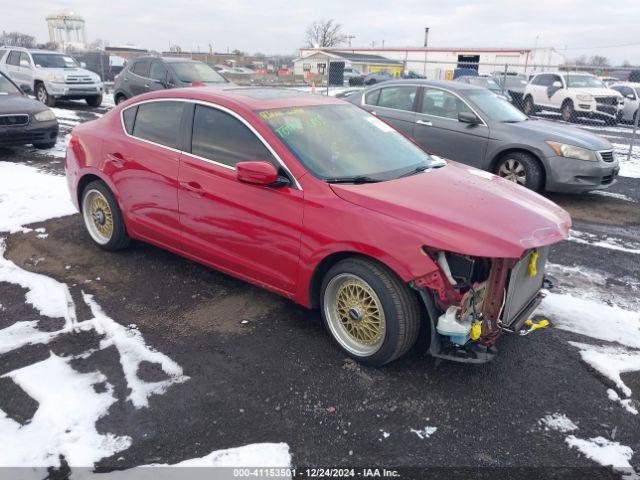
159	122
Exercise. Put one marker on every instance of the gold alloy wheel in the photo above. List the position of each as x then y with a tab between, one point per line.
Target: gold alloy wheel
355	315
98	216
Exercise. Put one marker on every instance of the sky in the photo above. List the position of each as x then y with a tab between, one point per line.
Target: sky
573	27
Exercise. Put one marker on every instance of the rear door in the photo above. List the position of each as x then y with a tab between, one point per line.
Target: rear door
139	81
12	66
249	230
539	87
395	104
143	164
438	130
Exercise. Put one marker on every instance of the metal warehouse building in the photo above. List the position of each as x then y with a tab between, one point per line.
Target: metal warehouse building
439	62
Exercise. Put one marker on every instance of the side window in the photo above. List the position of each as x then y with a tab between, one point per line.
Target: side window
158	71
556	78
223	138
14	58
141	68
540	80
442	104
24	58
371	98
400	98
129	117
159	122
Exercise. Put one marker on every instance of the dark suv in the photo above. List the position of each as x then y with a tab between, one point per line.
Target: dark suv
147	74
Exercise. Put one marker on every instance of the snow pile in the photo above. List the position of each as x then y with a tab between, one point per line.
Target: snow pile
592	318
64	423
255	455
28	195
558	422
604	452
426	432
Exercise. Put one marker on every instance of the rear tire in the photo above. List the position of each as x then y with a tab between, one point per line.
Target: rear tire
120	98
102	217
529	107
370	313
94	101
521	168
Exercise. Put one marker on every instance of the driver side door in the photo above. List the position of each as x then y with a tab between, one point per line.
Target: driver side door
248	230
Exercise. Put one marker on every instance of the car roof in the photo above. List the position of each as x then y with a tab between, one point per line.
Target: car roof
166	59
251	98
447	84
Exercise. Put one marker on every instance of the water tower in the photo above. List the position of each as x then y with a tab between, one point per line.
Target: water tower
67	30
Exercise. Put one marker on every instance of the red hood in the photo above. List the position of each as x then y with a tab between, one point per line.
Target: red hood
466	210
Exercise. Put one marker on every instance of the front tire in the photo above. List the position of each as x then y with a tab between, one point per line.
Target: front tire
568	111
521	168
370	313
529	107
102	217
94	101
43	96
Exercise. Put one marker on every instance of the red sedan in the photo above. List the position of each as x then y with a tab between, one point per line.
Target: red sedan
322	202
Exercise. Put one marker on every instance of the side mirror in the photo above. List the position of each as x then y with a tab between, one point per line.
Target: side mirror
556	84
26	88
631	96
259	172
468	117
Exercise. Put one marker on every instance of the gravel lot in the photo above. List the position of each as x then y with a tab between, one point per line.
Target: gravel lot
227	364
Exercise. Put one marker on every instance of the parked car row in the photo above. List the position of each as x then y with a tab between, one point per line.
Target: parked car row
472	125
51	76
326	204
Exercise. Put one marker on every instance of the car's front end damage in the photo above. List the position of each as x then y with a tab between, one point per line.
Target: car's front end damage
472	301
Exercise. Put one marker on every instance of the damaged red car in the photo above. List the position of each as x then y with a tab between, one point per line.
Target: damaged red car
324	203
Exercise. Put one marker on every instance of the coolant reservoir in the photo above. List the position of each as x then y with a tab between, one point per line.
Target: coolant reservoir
450	326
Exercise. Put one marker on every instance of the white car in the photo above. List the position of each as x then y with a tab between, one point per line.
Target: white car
50	75
631	93
573	95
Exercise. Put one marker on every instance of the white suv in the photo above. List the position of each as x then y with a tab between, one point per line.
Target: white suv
573	95
50	75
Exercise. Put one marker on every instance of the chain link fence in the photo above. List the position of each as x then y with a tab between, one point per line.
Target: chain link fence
602	100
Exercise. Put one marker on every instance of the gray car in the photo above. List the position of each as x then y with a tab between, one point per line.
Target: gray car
148	74
471	125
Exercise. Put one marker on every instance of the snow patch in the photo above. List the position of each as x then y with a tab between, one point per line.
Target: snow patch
59	150
256	455
592	318
28	195
610	362
626	403
610	243
64	423
618	196
559	422
425	433
631	167
604	452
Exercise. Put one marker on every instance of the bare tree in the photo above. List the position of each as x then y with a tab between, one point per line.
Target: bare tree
47	46
17	39
324	33
599	61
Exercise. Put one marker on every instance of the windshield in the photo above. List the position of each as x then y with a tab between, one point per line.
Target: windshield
6	87
196	72
338	142
49	60
495	108
583	81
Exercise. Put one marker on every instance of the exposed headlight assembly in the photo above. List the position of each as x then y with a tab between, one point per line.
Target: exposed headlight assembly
45	116
571	151
56	77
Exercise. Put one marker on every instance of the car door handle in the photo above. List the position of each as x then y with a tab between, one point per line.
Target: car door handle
146	85
194	188
426	123
117	159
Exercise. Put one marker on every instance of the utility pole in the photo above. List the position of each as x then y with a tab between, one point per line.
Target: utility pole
426	36
349	38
